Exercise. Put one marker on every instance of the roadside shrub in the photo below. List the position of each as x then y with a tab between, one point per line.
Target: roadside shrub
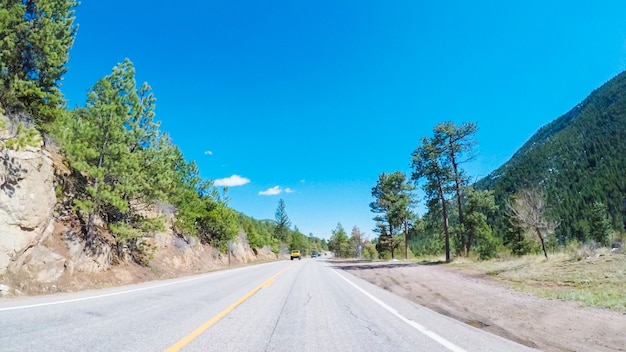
487	247
384	255
369	251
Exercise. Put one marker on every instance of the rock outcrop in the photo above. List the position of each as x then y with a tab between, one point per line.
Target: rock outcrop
26	201
39	263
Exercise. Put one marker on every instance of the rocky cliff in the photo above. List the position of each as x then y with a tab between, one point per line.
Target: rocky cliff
26	202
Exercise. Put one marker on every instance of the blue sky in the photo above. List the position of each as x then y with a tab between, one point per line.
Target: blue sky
309	101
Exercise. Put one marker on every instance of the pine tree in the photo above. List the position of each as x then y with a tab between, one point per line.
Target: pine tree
478	206
457	142
282	222
35	38
110	143
430	165
338	242
600	224
187	194
392	202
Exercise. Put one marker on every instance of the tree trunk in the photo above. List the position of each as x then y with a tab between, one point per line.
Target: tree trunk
444	210
91	222
543	244
406	239
91	231
457	183
391	244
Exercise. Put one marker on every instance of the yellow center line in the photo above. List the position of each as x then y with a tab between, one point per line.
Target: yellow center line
187	339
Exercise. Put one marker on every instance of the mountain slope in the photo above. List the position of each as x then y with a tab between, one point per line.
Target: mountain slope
578	159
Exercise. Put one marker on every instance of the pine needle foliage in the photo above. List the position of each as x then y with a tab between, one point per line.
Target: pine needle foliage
35	39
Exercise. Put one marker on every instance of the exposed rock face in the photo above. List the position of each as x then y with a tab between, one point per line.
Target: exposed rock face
244	253
242	250
177	254
26	201
40	264
83	261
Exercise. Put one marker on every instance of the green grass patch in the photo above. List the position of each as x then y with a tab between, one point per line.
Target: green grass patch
594	281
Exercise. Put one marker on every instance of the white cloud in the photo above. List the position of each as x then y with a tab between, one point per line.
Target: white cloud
208	152
233	181
271	192
275	190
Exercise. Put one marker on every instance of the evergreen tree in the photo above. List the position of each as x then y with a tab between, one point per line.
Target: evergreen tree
457	142
187	194
338	242
102	144
282	222
426	235
219	223
600	224
369	250
392	202
355	248
260	233
429	163
298	241
517	241
21	138
35	38
478	205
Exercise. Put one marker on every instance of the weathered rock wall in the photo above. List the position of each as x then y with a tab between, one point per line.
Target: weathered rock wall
26	201
186	255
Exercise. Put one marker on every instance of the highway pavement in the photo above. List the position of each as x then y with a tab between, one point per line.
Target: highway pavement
300	305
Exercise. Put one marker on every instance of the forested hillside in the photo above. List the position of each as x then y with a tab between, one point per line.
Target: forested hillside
578	161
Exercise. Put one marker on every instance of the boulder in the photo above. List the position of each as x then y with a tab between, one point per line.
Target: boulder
241	249
87	261
40	264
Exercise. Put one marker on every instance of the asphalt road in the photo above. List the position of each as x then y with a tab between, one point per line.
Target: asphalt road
283	306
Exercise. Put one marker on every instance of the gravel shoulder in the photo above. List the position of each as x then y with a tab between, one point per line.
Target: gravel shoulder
549	325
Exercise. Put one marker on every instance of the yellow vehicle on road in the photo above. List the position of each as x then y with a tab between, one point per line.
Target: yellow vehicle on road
295	254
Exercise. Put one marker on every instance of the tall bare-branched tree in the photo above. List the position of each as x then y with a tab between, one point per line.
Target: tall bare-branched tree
527	209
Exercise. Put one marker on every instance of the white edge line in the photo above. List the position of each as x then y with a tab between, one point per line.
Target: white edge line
116	293
447	344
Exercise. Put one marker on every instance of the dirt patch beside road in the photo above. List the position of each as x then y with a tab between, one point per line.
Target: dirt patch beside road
549	325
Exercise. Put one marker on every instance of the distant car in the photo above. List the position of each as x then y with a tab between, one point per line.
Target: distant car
314	255
295	254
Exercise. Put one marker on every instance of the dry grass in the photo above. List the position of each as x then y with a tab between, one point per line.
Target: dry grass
592	277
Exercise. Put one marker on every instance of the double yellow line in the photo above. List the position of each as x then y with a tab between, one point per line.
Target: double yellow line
187	339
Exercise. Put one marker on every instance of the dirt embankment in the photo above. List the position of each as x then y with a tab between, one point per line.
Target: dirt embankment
549	325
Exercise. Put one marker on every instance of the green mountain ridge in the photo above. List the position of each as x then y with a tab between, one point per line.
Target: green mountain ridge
577	160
